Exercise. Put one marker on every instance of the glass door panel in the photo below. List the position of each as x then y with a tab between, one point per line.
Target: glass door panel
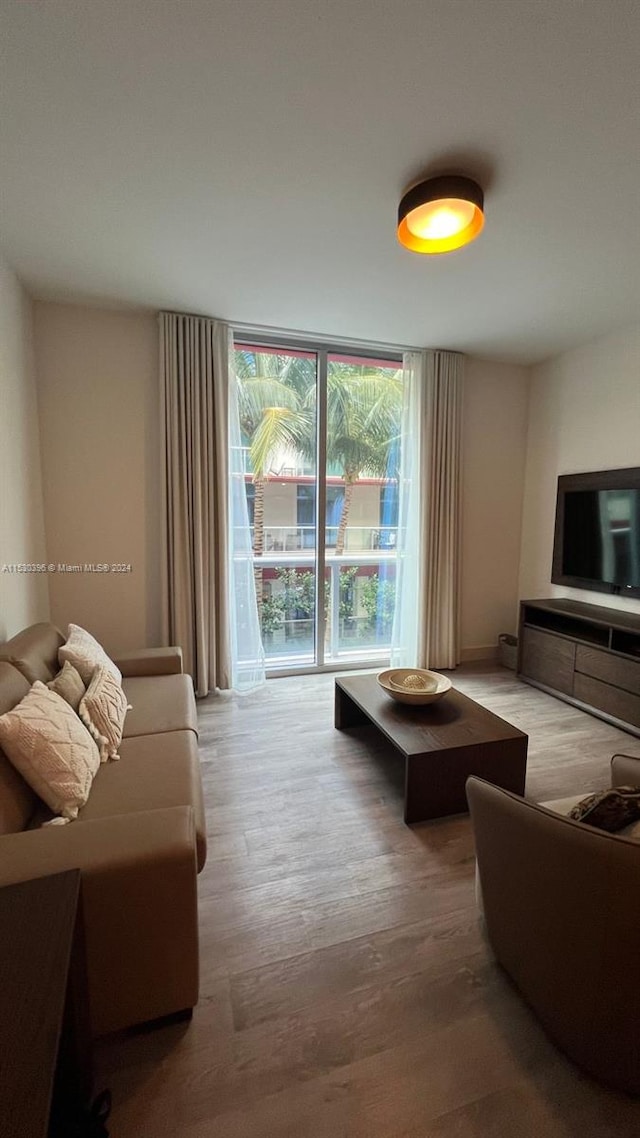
277	397
364	406
323	506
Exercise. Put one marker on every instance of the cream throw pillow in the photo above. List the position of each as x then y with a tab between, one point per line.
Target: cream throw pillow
84	652
46	742
102	710
69	684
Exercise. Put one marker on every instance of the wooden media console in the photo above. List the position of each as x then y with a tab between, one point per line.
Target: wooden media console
585	654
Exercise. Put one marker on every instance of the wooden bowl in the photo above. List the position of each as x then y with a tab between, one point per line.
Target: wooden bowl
413	685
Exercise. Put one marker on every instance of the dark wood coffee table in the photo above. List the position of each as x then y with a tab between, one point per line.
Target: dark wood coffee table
442	744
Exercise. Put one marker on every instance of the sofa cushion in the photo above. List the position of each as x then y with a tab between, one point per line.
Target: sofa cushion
46	742
34	651
69	684
159	704
17	800
85	653
139	902
102	710
155	771
13	686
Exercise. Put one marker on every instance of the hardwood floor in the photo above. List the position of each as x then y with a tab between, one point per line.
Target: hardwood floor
347	991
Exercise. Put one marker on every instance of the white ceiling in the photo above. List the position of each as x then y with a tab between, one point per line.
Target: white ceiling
245	158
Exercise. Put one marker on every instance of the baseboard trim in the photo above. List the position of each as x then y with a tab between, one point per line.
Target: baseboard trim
484	652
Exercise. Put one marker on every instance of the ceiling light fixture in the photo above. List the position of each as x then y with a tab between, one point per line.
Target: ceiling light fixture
440	214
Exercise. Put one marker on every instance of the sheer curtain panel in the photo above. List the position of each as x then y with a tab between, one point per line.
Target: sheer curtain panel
247	652
201	583
426	631
404	637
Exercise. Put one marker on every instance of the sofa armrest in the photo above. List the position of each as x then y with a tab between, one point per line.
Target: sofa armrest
625	770
140	907
150	662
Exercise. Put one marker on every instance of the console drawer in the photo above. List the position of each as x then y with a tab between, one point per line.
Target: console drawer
548	659
621	704
612	669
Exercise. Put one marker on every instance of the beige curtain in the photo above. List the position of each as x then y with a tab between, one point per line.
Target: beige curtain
194	385
441	510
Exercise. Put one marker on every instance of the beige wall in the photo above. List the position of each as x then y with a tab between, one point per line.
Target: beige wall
280	505
97	382
495	432
23	597
365	507
97	391
584	415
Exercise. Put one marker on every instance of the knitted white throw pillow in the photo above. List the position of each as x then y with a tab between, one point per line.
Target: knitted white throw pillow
83	651
45	741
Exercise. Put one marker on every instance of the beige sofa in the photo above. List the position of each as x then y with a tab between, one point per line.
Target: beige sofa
139	841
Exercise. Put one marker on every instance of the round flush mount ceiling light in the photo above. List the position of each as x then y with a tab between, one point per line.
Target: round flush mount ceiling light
440	214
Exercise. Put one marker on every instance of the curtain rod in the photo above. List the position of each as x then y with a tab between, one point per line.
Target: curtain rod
317	337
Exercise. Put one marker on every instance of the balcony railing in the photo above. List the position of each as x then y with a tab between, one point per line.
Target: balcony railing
286	539
291	465
359	598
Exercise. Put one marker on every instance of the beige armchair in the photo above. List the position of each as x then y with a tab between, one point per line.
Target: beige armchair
562	910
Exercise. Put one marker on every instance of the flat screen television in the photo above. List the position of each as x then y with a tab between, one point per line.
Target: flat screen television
597	534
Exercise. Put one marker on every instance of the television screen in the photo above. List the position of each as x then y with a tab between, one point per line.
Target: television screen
601	537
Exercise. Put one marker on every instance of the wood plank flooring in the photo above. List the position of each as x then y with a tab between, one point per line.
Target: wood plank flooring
347	991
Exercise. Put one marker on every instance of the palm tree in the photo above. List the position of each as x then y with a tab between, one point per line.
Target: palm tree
269	400
277	398
363	427
363	418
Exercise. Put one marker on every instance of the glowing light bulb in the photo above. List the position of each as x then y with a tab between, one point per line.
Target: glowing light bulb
441	214
440	219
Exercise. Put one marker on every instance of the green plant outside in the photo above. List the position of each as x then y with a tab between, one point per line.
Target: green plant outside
296	601
379	601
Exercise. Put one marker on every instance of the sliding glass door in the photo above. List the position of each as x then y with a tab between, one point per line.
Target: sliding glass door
321	438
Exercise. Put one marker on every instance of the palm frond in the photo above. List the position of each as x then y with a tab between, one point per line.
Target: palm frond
258	393
277	399
273	434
